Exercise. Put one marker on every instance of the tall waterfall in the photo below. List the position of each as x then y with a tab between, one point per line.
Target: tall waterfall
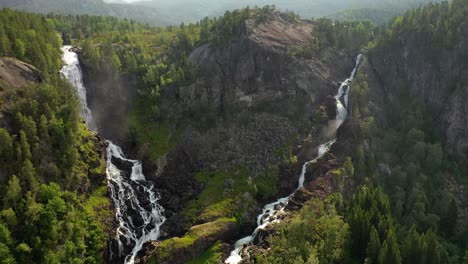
272	211
136	202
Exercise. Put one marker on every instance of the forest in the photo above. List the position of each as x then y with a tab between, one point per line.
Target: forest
52	182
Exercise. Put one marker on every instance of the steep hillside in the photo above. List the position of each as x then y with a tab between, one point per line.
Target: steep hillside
54	205
424	54
407	132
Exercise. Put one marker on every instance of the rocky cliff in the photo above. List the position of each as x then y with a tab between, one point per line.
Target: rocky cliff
258	68
261	101
439	80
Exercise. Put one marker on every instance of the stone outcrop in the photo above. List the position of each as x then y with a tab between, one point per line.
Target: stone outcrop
258	67
193	244
16	73
268	96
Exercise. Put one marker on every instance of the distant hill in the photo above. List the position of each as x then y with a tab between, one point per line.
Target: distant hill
377	16
165	12
190	10
92	7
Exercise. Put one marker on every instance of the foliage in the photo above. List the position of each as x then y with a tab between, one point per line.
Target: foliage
197	234
349	36
316	235
402	151
30	38
211	256
49	159
377	16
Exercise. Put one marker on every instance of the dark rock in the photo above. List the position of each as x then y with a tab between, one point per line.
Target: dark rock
123	165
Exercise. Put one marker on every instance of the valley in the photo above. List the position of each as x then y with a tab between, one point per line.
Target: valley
254	137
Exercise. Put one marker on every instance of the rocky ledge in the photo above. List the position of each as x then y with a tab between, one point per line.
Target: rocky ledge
197	240
16	73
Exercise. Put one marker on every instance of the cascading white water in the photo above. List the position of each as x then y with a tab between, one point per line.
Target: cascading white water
72	72
272	211
136	202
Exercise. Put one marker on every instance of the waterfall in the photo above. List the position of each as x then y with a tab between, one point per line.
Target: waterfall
138	213
272	211
72	72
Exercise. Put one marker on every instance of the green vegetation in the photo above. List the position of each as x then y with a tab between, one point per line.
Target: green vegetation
317	234
49	160
48	166
30	38
54	206
408	143
377	16
220	196
201	234
91	7
212	256
348	36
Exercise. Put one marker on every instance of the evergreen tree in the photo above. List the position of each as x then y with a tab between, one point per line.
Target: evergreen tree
13	193
412	252
449	220
373	247
392	254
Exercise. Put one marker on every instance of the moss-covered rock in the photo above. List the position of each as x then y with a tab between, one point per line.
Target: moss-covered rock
194	243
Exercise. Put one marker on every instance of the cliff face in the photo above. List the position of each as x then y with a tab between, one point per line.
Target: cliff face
439	80
110	100
258	67
268	95
261	101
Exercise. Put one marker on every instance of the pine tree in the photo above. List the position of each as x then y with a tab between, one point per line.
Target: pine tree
372	251
25	148
6	148
449	221
431	248
28	174
13	192
383	253
412	250
393	254
19	49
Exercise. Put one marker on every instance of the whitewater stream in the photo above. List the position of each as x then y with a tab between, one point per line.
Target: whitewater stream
272	211
137	211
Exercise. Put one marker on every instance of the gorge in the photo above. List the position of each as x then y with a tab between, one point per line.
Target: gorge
234	139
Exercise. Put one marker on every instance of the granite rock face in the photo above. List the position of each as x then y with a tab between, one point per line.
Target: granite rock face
257	67
269	97
441	85
16	73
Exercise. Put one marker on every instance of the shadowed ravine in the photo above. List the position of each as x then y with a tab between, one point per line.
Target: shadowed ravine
137	211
